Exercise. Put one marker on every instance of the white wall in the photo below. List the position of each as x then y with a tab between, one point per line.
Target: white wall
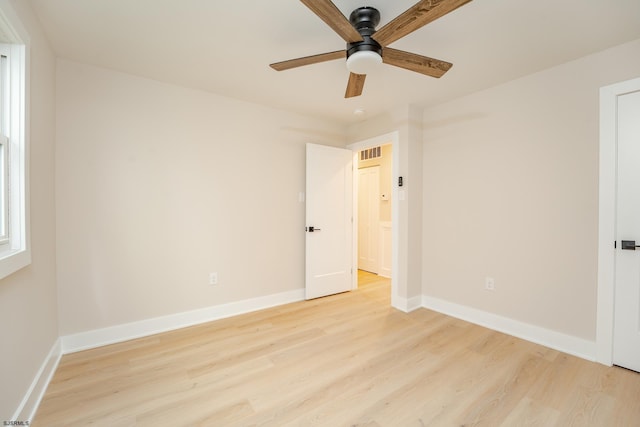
28	300
159	185
511	192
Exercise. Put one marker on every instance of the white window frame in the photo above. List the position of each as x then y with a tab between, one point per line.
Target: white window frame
15	248
5	91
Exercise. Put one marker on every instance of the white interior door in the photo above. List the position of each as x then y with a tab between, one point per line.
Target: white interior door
368	218
626	335
329	219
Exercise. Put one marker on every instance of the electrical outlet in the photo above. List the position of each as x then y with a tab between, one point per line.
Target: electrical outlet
213	278
489	284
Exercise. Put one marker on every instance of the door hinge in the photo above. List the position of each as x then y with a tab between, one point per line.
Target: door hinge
615	244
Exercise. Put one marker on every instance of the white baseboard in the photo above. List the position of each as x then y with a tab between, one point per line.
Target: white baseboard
570	344
27	409
99	337
406	304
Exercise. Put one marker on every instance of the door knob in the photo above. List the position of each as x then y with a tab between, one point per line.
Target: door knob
312	229
629	244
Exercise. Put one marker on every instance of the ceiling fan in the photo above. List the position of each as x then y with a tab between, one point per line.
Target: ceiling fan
367	48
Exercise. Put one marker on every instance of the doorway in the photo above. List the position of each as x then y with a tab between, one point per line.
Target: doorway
375	208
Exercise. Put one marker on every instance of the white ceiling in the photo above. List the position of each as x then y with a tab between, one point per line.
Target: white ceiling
225	46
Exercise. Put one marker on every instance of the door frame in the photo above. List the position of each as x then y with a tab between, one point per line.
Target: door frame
386	139
607	217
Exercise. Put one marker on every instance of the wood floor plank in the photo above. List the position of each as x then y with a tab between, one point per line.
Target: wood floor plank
344	360
529	413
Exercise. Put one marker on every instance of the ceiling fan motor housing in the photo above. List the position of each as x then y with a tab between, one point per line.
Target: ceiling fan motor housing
364	20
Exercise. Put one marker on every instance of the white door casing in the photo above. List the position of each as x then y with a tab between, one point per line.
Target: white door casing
368	218
626	330
329	210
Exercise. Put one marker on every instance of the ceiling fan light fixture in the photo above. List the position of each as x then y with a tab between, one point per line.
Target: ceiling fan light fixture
363	62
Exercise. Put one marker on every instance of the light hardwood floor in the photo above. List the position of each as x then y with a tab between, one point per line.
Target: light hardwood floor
344	360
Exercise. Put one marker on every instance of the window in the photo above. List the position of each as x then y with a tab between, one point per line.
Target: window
14	249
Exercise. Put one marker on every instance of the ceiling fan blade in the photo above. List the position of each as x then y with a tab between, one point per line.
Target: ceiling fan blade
355	85
414	62
417	16
308	60
331	15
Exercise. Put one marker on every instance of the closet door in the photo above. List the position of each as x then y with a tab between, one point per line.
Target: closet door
368	218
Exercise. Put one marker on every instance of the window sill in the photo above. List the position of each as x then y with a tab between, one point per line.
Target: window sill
14	261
